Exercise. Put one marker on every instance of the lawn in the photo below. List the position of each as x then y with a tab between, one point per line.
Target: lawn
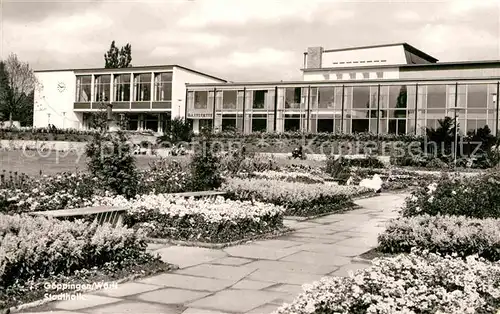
52	162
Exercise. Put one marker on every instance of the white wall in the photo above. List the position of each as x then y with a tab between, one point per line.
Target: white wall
331	75
180	78
55	96
394	55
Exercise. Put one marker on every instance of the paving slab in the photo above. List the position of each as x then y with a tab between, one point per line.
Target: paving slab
277	243
317	258
234	261
188	282
334	249
238	301
87	300
246	284
287	277
294	267
259	251
264	309
288	298
361	242
171	296
321	230
293	289
156	246
126	289
233	273
346	269
193	310
134	307
185	256
52	312
309	238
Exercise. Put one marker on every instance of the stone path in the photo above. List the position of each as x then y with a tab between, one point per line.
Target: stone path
254	278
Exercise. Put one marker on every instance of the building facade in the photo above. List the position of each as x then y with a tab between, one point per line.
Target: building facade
381	89
148	97
394	88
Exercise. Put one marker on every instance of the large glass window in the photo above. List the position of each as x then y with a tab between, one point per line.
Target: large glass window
228	123
259	99
292	123
142	87
398	96
477	96
132	122
259	123
361	97
83	88
200	100
229	99
293	97
325	125
122	87
163	86
102	87
436	96
326	97
151	121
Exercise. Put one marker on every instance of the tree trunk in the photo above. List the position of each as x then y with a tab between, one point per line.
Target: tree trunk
10	119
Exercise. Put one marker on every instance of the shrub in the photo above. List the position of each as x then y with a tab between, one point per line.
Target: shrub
204	220
299	199
338	168
110	158
477	197
204	166
414	283
37	247
437	163
165	176
300	177
443	234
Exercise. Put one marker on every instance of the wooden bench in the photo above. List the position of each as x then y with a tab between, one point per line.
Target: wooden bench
103	214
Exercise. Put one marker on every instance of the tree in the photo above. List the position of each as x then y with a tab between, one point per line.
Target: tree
16	94
118	58
179	130
443	135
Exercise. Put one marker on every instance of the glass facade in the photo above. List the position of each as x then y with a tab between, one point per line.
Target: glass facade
122	87
142	87
102	88
407	108
83	88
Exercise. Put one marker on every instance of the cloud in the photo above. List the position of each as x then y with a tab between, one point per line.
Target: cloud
263	57
465	6
409	16
230	12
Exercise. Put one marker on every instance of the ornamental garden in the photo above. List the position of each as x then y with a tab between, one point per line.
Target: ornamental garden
441	255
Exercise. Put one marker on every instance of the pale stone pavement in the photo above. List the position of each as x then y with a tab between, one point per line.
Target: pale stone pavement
254	278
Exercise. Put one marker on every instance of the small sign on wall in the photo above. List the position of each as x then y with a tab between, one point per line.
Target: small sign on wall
194	115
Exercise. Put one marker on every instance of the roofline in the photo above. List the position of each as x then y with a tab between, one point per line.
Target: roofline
406	46
406	67
133	68
347	82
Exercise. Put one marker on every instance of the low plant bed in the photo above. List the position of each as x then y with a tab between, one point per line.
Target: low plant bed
419	282
37	250
299	199
299	177
457	235
209	220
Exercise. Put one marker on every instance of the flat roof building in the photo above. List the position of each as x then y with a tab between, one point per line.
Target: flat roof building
393	88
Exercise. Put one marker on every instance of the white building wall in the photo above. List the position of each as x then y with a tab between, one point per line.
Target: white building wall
180	78
54	100
331	75
391	55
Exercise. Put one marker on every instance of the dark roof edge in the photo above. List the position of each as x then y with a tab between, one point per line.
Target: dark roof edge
134	68
347	82
419	53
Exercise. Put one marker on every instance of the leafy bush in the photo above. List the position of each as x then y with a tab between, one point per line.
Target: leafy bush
204	166
300	177
437	163
299	199
443	234
477	197
205	220
180	130
37	247
111	160
414	283
338	169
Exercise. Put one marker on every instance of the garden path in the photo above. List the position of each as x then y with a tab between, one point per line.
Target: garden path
256	277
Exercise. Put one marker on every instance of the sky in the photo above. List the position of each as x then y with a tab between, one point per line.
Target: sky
241	40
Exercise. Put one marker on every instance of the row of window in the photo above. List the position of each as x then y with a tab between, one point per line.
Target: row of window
347	97
126	87
367	61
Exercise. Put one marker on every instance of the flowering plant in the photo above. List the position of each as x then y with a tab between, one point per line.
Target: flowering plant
302	177
298	198
444	234
204	220
414	283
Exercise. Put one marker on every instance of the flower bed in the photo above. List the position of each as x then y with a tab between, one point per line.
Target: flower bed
414	283
477	197
443	234
299	199
301	177
215	220
37	249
